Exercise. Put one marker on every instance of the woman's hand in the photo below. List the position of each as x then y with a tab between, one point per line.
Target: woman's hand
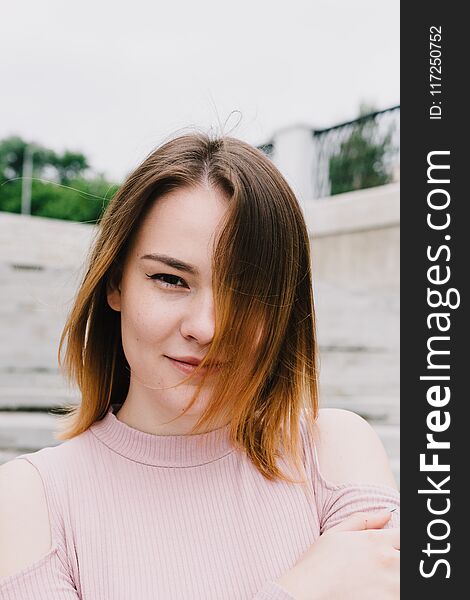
356	560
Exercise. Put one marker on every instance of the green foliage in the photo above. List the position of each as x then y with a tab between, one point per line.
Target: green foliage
360	161
70	165
11	157
59	188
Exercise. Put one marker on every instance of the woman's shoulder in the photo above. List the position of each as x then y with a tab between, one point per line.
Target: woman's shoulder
346	448
349	468
24	521
38	492
34	490
62	458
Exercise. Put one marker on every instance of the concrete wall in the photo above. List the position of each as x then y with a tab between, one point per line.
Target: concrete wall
355	254
355	260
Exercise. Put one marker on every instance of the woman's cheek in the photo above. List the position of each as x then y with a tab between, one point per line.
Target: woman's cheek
154	323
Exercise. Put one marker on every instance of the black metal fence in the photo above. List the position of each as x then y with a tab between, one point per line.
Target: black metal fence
358	154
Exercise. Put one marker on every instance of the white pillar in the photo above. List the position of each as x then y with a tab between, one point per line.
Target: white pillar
294	155
27	181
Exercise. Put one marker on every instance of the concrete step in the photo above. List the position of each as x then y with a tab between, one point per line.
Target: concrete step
381	409
24	430
30	240
35	398
6	455
346	371
35	388
390	436
395	465
356	315
27	377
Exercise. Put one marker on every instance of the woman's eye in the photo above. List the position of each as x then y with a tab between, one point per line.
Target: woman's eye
168	281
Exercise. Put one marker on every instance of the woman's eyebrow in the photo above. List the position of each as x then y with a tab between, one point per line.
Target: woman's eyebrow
175	263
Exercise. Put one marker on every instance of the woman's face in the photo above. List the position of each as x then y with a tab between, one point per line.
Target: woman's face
166	302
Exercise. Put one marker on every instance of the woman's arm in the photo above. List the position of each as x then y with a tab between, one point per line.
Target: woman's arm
24	520
349	450
350	469
355	558
30	566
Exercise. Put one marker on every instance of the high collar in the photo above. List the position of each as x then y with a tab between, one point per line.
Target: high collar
162	450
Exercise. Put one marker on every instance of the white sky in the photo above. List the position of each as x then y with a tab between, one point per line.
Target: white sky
113	79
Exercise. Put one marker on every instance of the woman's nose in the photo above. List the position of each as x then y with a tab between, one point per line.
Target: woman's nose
198	322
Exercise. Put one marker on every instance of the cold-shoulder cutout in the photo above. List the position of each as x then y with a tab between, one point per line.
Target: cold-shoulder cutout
32	561
25	532
348	450
349	468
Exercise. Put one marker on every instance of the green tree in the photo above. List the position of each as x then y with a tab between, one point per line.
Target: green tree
360	161
70	165
60	187
12	150
83	200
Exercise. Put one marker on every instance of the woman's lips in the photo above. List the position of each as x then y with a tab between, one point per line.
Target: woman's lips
187	369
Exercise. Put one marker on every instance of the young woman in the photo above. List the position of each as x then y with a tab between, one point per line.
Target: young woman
197	465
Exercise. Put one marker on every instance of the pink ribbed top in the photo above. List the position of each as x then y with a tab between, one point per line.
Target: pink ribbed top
136	516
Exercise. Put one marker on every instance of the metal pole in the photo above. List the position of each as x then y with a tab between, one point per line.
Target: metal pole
26	181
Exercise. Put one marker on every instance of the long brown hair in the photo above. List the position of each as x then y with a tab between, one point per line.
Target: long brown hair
263	298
